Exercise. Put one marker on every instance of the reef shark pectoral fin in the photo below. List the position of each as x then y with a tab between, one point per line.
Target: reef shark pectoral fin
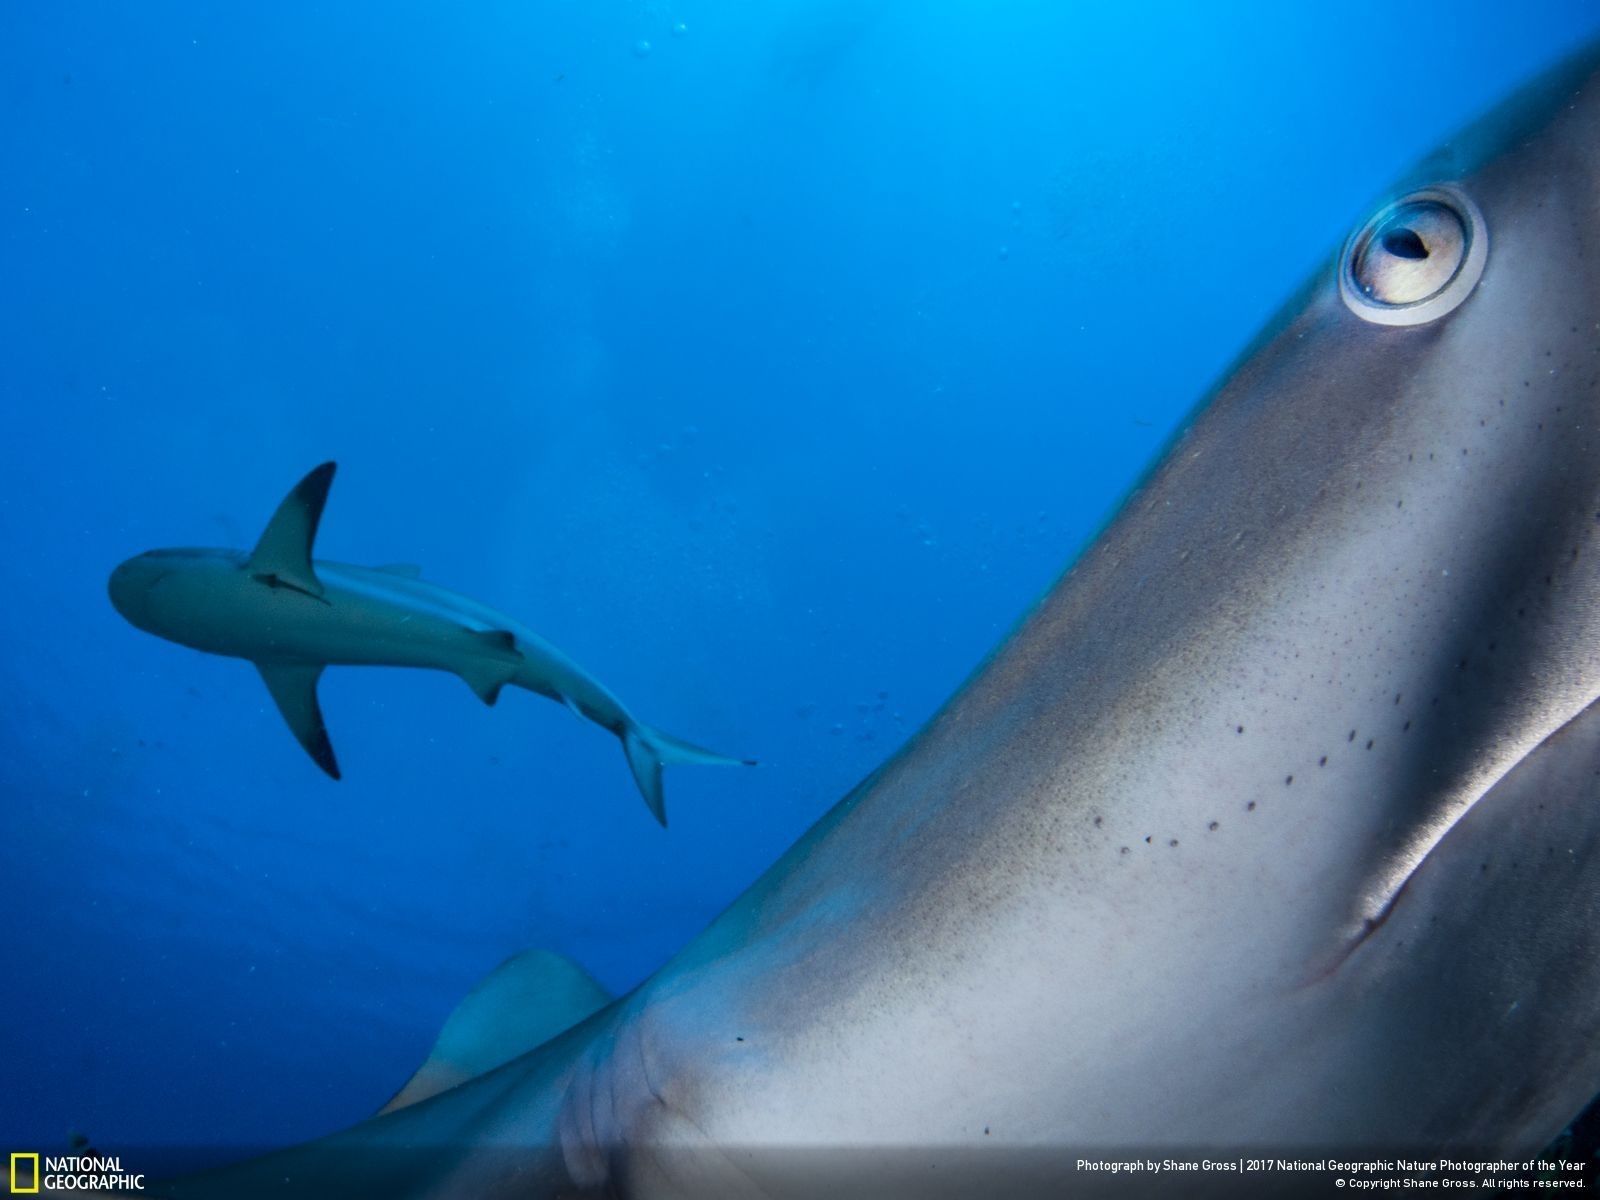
520	1005
488	674
294	690
282	558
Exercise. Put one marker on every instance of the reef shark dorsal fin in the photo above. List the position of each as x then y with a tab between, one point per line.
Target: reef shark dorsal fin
521	1004
294	690
282	558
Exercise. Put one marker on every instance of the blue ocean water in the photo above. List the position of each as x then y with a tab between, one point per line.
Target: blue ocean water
769	359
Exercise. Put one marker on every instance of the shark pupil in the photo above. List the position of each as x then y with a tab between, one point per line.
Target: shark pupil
1404	243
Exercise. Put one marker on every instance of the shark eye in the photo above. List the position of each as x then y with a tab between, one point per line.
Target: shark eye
1416	260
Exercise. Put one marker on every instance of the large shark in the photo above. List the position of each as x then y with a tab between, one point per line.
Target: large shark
293	616
1275	825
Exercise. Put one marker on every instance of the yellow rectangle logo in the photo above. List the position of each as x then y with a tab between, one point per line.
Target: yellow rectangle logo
16	1188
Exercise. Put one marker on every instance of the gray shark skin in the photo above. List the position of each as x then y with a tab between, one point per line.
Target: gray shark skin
1276	824
293	616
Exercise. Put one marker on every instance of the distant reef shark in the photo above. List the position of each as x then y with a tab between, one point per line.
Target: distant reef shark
293	616
1275	827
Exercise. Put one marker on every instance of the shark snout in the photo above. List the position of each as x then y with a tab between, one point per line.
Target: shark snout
130	584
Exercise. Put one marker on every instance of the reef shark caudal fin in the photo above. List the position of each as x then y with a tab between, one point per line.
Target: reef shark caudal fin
648	750
294	690
520	1005
282	558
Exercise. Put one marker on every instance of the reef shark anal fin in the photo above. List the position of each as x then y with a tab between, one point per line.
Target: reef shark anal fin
498	665
520	1005
294	690
282	558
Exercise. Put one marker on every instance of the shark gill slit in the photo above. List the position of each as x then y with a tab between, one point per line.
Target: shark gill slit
1428	840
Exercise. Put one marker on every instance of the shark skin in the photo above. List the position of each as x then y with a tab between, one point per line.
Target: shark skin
293	616
1275	825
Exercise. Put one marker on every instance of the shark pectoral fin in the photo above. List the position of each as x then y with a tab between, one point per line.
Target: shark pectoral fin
486	676
520	1005
294	690
282	558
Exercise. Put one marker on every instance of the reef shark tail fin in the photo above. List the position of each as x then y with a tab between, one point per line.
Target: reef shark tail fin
517	1007
648	750
282	558
294	690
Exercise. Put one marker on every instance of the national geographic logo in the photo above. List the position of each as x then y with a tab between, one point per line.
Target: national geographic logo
32	1174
